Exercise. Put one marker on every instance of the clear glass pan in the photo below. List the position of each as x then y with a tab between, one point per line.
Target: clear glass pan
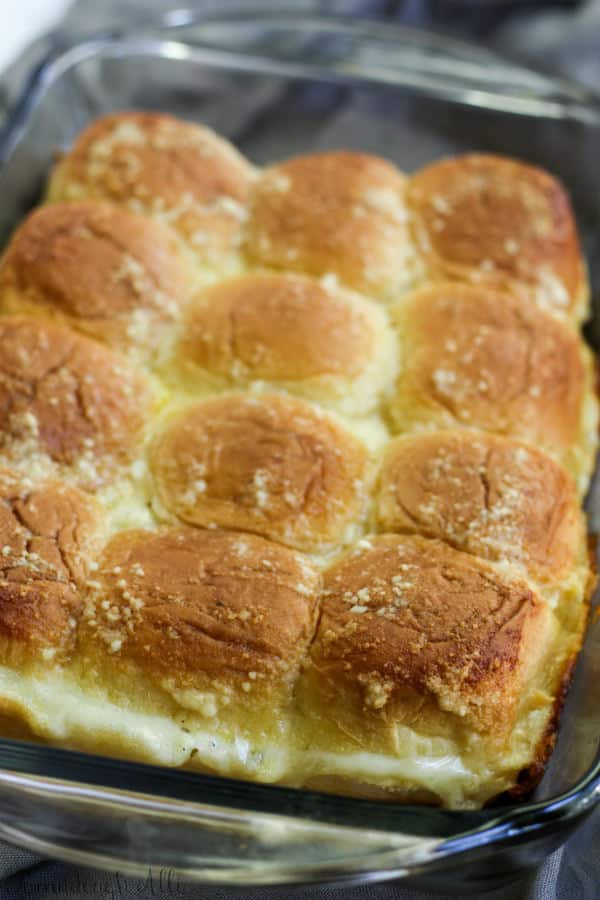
278	85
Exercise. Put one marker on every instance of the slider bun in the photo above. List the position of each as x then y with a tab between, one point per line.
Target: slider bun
477	358
220	621
269	464
487	495
292	332
48	533
102	270
66	402
501	224
338	213
414	633
178	172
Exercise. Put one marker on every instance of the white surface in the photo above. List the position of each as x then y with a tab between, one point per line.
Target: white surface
22	21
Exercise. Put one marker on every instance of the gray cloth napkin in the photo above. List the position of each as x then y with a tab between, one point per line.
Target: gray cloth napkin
570	43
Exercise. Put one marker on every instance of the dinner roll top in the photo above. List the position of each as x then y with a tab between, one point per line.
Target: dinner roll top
405	620
215	623
336	214
177	172
490	496
116	276
502	224
268	464
50	533
473	357
288	332
427	654
68	405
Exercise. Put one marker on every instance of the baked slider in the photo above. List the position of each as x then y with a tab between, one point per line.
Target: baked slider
476	358
177	172
288	332
49	535
502	224
190	645
495	498
432	677
336	214
268	464
68	405
115	276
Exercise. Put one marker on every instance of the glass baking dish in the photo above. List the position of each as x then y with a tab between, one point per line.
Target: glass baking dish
276	85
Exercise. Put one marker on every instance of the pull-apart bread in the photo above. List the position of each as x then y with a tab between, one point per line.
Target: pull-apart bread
292	462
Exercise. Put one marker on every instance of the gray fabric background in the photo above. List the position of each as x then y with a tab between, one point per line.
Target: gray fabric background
560	39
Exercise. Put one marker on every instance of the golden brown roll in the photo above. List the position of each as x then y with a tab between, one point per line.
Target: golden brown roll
178	172
66	402
430	662
488	495
118	277
208	626
272	465
175	326
502	224
339	214
474	357
290	332
49	533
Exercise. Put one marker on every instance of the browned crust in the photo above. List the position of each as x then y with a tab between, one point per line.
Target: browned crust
500	223
203	608
96	267
338	213
477	358
529	777
66	397
161	166
268	464
488	495
455	645
278	327
413	631
49	534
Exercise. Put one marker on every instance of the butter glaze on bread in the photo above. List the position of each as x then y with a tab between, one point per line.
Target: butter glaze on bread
288	331
339	214
420	643
215	622
488	495
49	533
67	402
405	620
115	276
479	359
500	223
181	174
291	463
269	464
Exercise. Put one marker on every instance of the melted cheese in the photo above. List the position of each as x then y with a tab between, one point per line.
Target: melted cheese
58	709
